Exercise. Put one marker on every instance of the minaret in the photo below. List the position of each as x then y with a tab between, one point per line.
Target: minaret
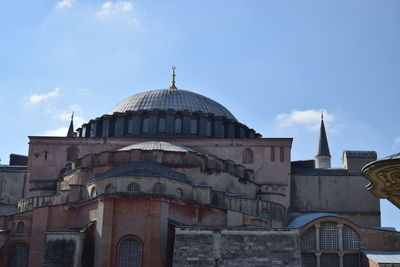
71	127
323	157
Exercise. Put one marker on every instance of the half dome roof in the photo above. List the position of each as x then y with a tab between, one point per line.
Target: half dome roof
175	99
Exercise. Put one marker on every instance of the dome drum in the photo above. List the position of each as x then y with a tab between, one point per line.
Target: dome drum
165	124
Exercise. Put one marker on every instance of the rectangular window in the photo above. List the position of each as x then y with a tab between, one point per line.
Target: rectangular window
193	126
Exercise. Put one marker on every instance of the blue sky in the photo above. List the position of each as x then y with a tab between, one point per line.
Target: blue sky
274	64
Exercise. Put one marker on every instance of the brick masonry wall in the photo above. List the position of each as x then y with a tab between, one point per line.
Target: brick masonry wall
236	247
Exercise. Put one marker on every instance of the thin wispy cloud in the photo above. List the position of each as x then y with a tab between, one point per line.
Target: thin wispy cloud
397	140
35	99
64	117
64	4
110	9
309	119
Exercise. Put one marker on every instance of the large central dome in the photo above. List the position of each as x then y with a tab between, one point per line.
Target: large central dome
176	99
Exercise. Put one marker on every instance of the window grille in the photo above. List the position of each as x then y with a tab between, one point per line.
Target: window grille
179	193
351	260
20	228
308	260
130	253
308	240
93	192
18	255
133	188
157	190
351	240
110	189
330	260
329	237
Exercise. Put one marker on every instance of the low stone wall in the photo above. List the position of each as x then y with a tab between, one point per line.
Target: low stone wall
236	247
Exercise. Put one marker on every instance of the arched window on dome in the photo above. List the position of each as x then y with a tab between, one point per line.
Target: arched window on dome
161	127
145	123
247	156
158	189
93	192
20	228
133	189
178	124
110	189
330	244
209	127
130	253
194	124
179	193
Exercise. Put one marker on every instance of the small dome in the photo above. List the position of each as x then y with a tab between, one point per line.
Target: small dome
175	99
157	145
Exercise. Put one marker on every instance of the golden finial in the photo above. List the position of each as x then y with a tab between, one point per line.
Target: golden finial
173	79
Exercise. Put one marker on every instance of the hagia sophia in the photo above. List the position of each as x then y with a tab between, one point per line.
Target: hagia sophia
170	177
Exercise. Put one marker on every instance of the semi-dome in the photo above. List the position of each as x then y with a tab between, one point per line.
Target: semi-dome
175	99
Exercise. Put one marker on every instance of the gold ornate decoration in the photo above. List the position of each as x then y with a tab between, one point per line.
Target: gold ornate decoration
173	79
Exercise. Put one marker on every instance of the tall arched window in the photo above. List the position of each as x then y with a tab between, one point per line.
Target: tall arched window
145	123
93	192
179	193
110	189
247	156
130	253
178	124
338	246
157	189
194	122
209	127
18	255
161	123
133	188
20	228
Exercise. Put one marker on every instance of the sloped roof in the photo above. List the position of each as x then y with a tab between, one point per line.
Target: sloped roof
305	219
382	257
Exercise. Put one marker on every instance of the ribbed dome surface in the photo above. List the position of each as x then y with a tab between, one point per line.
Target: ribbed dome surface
176	99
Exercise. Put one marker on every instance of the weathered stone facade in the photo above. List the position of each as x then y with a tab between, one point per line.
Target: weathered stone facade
236	247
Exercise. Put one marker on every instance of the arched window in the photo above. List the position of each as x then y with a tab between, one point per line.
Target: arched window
338	245
179	193
110	189
93	192
208	127
133	188
161	123
20	228
178	124
194	122
247	156
157	189
130	253
18	255
145	123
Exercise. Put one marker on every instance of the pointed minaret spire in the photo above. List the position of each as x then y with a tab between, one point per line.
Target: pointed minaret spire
323	157
71	127
173	79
